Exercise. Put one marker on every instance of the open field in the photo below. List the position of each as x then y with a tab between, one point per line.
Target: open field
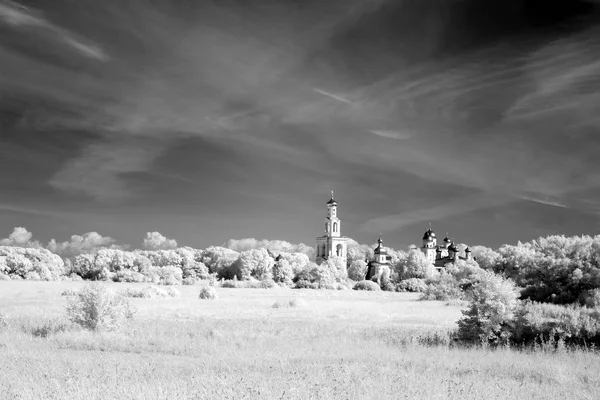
334	345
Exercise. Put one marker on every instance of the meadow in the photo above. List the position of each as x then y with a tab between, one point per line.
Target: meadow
331	345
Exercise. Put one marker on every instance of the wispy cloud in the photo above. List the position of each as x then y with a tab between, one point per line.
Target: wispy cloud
391	134
387	223
12	208
18	16
333	96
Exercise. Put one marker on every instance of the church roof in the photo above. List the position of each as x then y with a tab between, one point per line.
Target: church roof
453	247
332	201
428	234
379	249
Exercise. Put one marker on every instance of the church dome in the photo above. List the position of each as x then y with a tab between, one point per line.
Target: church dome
428	234
447	240
453	248
331	201
467	250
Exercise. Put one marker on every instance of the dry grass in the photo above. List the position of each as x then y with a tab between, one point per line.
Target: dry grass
339	344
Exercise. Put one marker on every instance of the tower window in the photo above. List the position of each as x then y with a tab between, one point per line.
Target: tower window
335	226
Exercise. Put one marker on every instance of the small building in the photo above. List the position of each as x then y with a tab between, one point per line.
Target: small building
380	266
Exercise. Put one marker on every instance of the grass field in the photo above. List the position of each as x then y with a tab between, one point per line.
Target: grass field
334	345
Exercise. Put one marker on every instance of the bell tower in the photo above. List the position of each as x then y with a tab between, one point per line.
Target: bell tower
332	222
332	243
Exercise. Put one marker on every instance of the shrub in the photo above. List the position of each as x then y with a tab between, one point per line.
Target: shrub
443	288
129	276
4	277
208	293
251	284
47	328
3	321
97	307
170	275
539	323
69	292
150	292
172	292
306	284
189	281
591	298
366	285
289	303
387	284
493	301
412	285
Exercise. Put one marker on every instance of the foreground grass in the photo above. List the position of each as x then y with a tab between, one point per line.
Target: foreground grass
336	345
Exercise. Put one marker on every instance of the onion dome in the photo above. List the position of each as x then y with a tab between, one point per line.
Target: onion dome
453	248
467	250
429	234
447	239
331	201
379	248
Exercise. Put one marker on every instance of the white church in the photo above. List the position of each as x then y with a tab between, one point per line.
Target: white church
332	243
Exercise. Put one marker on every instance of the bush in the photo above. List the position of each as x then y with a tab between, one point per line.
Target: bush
251	284
172	292
493	301
47	328
150	292
290	303
170	275
69	292
366	285
306	284
387	284
3	321
591	298
4	277
412	285
189	281
97	307
443	288
208	293
542	324
129	276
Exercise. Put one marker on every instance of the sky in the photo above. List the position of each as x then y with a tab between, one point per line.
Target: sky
217	120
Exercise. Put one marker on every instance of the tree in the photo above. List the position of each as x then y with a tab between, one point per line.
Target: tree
486	258
283	271
218	258
255	263
493	301
357	270
337	266
417	266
